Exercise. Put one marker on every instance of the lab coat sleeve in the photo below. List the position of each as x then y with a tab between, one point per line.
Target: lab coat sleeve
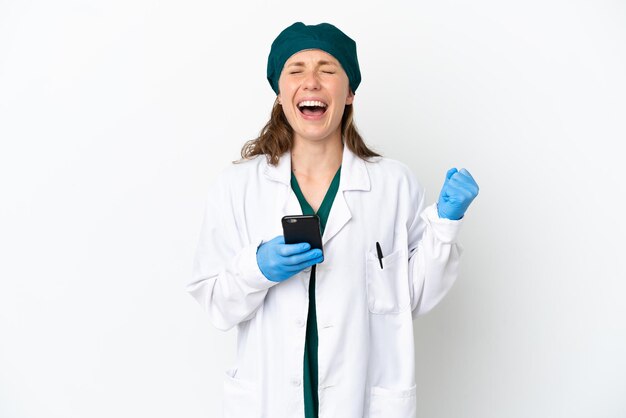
434	253
226	279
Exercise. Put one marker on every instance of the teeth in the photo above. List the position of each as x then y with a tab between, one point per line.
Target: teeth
311	103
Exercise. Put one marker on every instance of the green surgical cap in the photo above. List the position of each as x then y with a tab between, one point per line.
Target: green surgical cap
324	36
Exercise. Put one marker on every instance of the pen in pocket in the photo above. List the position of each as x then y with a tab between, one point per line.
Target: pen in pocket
380	254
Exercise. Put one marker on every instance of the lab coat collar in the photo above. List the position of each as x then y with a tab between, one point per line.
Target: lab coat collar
354	175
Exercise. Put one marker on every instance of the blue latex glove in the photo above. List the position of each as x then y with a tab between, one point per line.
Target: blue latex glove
458	191
279	261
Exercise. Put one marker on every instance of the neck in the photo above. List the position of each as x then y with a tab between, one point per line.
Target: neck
315	158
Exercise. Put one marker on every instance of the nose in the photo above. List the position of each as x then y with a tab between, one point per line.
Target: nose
311	81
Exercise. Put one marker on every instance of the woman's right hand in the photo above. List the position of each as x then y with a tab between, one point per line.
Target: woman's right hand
279	261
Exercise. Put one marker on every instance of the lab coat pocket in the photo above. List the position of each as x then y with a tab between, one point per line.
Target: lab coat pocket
241	398
390	403
387	288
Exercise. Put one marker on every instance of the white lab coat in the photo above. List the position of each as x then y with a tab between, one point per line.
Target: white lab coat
364	314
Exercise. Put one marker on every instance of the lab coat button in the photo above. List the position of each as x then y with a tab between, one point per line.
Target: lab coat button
306	270
296	382
299	322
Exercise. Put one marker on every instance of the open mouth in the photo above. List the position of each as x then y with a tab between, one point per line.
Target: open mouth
313	108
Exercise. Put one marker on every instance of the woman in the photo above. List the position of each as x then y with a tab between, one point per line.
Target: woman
327	336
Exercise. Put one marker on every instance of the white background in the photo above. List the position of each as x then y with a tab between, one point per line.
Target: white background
116	115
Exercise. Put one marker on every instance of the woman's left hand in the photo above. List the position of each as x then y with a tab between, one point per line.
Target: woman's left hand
458	191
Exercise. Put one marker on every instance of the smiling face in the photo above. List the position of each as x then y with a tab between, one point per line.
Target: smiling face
314	90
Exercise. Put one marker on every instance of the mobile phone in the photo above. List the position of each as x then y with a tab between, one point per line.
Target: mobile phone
302	228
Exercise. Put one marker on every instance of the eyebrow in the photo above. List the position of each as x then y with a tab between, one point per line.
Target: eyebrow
301	64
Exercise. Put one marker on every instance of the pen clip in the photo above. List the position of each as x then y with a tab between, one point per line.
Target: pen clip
380	254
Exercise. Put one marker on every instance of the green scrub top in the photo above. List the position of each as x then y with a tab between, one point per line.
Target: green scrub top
311	401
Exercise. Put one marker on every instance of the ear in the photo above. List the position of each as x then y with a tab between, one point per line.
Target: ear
350	97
